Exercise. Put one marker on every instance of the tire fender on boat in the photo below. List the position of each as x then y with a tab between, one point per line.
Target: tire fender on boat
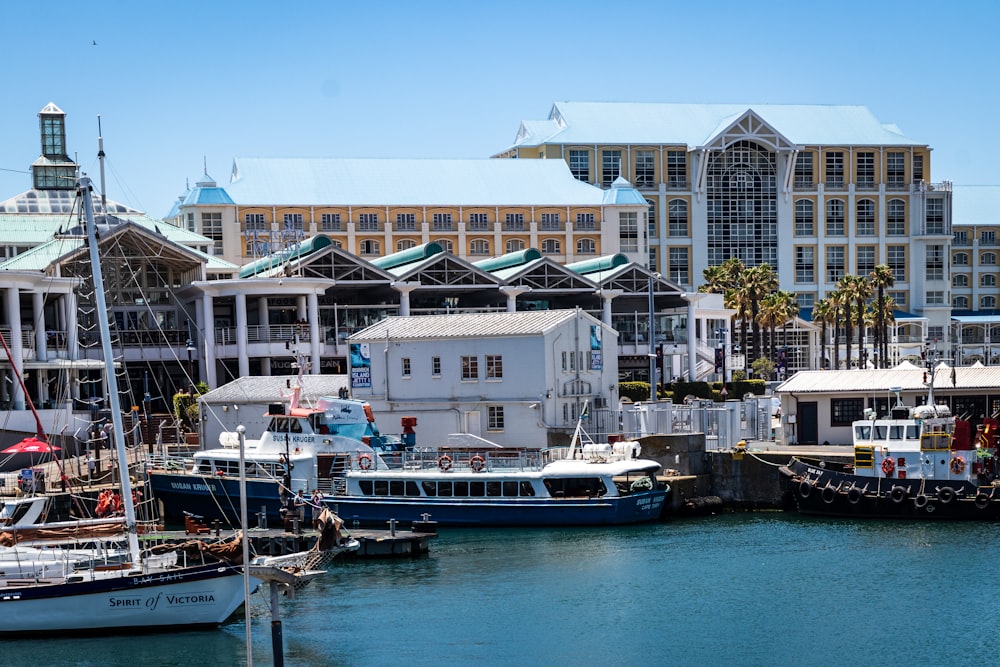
854	495
444	463
898	494
946	494
982	501
829	494
920	501
805	488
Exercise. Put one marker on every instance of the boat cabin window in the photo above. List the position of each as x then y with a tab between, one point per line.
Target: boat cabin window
477	489
444	489
318	424
473	489
388	488
492	489
862	432
896	432
510	489
527	490
285	425
381	487
461	489
880	432
576	487
912	432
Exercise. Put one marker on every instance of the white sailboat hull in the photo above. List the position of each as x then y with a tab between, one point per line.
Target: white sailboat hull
190	597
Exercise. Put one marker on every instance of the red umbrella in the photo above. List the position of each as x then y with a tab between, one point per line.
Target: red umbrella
31	445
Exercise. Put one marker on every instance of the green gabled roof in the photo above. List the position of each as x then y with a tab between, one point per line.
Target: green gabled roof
408	256
516	258
605	263
274	260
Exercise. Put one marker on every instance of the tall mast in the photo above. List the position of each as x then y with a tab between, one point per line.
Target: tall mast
111	380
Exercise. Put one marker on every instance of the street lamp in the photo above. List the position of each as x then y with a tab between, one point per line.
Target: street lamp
652	340
190	351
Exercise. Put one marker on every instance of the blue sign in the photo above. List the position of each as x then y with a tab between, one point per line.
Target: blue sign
361	362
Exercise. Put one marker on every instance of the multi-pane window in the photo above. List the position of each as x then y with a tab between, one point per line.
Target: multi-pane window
441	222
479	221
935	298
935	333
445	244
611	166
369	247
866	259
645	169
479	247
987	237
551	247
960	238
406	222
988	302
804	171
406	366
211	226
845	411
960	259
551	221
368	222
470	368
960	280
805	299
579	165
514	245
988	280
436	366
835	169
935	262
988	259
190	222
678	211
960	302
255	222
677	170
586	247
628	231
835	218
834	263
329	222
935	216
292	221
866	217
494	366
805	222
866	170
585	221
918	168
679	270
651	218
896	260
895	218
514	222
405	244
895	170
494	420
899	298
805	264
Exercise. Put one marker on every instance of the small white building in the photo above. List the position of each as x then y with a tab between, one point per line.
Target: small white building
519	379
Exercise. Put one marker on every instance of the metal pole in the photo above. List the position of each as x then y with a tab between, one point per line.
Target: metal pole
242	431
652	338
277	650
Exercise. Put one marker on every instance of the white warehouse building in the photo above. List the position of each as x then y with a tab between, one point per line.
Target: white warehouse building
518	379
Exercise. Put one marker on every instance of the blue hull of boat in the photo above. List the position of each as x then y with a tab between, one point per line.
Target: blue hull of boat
214	497
634	508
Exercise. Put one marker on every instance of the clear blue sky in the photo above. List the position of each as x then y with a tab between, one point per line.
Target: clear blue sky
176	82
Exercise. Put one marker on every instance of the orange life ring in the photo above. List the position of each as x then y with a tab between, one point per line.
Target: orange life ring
888	466
444	463
477	463
957	465
365	461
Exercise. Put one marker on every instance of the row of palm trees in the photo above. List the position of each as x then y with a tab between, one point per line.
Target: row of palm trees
753	293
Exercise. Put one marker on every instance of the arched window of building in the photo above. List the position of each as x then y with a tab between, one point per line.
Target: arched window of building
551	247
404	244
514	245
586	247
479	247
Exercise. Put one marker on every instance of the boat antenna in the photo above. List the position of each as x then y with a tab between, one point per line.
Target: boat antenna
100	161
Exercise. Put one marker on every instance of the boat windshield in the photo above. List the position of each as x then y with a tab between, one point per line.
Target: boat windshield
285	425
862	432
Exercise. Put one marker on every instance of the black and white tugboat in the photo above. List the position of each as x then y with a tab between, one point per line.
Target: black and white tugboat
913	463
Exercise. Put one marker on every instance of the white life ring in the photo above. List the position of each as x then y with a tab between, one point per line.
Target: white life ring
365	461
477	463
444	463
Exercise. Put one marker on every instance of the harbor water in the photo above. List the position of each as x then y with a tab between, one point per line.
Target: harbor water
737	589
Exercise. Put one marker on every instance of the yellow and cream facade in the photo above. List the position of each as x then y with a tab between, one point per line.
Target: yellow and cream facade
816	191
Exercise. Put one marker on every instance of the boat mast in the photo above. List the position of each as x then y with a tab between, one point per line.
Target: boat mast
84	187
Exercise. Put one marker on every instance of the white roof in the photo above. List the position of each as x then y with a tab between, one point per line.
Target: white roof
407	182
868	381
696	124
466	325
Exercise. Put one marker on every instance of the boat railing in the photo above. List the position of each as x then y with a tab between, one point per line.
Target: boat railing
169	462
448	459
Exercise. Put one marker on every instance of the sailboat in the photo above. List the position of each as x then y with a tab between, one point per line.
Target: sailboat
144	593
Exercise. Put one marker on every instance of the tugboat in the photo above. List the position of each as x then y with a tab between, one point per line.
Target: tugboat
913	463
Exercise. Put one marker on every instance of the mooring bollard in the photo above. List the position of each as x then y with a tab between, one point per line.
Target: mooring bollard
392	527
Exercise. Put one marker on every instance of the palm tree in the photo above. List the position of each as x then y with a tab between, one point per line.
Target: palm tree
791	307
760	281
726	279
888	316
881	278
861	290
836	299
772	313
822	313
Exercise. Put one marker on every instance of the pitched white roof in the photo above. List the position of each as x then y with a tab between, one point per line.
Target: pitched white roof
408	182
696	124
878	381
465	325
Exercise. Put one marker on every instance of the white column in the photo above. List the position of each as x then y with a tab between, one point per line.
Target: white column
208	327
606	296
404	289
692	328
241	335
512	292
265	325
41	330
313	320
16	347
